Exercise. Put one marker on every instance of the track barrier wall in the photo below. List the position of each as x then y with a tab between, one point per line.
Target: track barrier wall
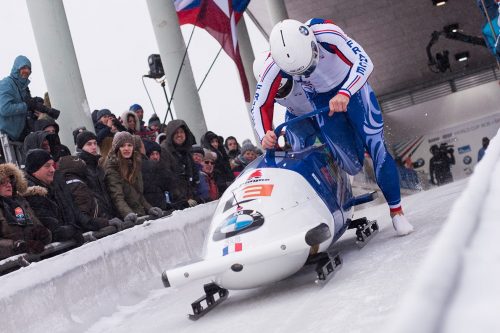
426	306
68	292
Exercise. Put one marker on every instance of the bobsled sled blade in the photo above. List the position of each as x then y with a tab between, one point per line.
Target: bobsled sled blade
326	266
365	230
318	234
207	302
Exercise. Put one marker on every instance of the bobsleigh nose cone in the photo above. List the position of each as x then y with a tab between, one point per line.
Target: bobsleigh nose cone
164	278
236	267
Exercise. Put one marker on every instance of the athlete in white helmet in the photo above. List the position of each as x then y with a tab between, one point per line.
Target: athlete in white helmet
332	69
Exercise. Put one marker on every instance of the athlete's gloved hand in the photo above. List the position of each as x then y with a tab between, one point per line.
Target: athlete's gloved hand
338	104
130	218
192	202
269	140
117	223
155	211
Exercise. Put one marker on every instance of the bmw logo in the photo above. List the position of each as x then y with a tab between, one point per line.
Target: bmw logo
239	222
467	160
303	30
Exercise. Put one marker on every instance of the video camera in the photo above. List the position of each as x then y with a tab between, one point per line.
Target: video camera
446	148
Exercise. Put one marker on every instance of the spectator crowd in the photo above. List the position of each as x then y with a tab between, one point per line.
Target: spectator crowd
122	169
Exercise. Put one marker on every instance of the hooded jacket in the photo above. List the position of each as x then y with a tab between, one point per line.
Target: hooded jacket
13	91
23	223
222	170
179	161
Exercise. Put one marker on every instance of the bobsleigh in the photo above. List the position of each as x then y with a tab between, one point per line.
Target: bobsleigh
283	211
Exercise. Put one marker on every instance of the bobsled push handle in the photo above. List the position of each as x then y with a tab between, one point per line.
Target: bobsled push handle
270	152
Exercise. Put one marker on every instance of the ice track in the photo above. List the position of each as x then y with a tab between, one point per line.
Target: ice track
361	297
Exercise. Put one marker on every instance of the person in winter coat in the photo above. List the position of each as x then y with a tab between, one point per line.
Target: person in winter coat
20	229
202	190
51	200
248	155
16	103
49	125
222	170
105	128
14	99
131	122
176	156
124	180
86	150
232	148
207	175
75	174
157	179
37	140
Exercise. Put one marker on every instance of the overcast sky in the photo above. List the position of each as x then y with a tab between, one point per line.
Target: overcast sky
113	40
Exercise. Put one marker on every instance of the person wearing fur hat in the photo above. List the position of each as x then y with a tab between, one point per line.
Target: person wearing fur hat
123	178
20	229
248	154
176	156
131	122
222	170
50	198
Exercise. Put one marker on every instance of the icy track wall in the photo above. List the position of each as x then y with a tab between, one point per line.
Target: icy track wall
68	292
432	302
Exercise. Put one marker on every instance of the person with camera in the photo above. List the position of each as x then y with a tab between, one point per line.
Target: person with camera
17	107
105	128
440	164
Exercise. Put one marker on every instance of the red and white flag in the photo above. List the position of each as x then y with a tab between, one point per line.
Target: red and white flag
219	18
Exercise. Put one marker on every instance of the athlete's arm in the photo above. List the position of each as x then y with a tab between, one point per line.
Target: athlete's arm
348	50
263	102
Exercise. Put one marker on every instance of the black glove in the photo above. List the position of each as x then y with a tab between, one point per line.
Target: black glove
32	103
64	233
155	211
53	113
42	234
78	238
117	223
35	246
20	246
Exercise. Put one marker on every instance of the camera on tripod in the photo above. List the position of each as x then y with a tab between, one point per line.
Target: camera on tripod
155	67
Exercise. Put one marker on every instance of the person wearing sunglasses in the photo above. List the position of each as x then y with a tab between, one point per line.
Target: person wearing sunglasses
207	173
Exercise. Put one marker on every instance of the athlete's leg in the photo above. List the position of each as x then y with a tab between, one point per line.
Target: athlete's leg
366	117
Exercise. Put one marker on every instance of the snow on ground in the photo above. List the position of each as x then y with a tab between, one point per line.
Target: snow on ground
361	297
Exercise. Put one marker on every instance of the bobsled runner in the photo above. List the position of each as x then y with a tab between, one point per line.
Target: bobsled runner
283	211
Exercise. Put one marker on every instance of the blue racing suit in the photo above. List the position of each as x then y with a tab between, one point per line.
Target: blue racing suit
343	68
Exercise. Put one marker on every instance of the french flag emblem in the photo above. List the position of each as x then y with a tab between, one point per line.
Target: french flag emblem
236	247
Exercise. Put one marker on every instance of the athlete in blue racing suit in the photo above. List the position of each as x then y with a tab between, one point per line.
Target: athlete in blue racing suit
332	70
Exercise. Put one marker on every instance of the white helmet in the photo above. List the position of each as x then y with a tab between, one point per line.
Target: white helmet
294	47
258	67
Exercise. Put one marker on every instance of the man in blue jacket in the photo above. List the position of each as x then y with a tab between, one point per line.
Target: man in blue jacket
16	102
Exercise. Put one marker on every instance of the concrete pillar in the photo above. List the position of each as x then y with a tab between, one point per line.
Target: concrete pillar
277	11
60	66
247	58
172	47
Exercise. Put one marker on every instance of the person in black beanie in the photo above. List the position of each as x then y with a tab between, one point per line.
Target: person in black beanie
49	197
